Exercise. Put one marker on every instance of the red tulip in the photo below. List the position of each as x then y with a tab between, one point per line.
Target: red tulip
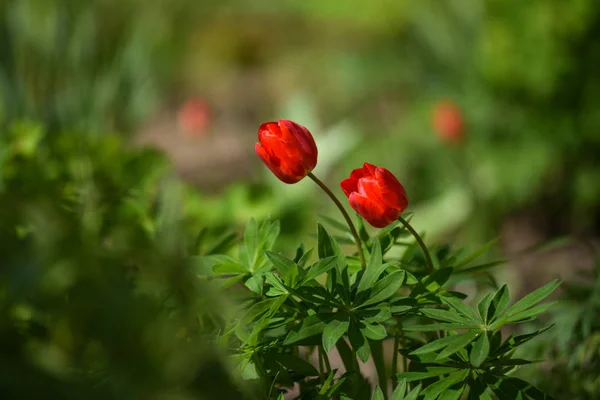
287	149
448	121
375	194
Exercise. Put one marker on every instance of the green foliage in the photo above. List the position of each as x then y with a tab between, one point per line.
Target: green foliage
99	295
296	306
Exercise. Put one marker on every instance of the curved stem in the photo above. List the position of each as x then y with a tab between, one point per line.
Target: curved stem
421	243
346	217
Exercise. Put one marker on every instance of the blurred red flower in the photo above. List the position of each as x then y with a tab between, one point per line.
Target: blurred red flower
448	121
194	116
287	149
375	194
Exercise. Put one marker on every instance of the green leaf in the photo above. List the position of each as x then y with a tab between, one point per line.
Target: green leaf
378	394
430	372
462	339
335	223
476	254
483	306
432	391
480	267
320	267
398	393
443	315
296	364
251	242
461	308
229	268
284	265
509	388
414	393
442	326
310	326
326	245
480	350
499	303
332	332
452	394
359	343
513	342
255	283
457	345
523	315
373	270
436	279
533	298
374	332
385	288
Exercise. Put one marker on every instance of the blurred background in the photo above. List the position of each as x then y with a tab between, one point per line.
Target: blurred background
127	127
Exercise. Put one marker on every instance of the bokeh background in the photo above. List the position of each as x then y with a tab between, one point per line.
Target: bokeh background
126	144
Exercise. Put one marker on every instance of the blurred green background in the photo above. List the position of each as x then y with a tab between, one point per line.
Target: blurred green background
127	127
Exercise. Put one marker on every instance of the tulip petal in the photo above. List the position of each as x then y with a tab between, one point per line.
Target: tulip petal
391	190
373	212
349	186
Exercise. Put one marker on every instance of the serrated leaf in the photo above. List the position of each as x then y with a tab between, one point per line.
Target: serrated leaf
533	298
480	350
332	332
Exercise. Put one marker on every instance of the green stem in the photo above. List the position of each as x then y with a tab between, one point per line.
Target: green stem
421	243
346	217
395	354
403	343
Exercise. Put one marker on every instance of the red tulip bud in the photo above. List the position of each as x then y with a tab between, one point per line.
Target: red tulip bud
375	194
448	121
287	149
